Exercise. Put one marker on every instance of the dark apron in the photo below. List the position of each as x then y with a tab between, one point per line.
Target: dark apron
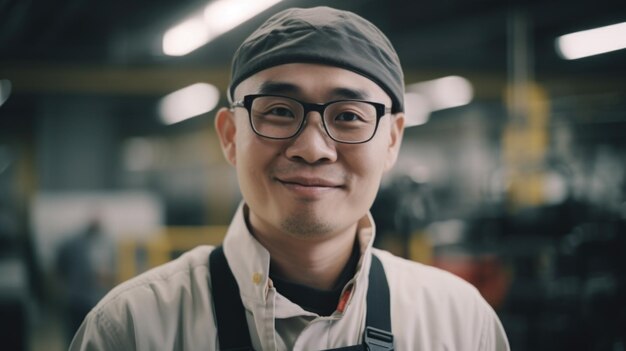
232	326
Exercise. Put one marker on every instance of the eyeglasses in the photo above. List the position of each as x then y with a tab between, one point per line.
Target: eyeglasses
281	117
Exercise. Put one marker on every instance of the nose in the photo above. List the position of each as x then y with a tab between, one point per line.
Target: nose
312	145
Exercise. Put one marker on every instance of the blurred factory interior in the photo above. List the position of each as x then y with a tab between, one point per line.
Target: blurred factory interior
512	176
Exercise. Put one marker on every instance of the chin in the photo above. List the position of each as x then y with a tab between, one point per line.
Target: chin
306	224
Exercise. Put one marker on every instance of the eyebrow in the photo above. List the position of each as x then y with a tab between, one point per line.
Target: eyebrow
348	93
271	87
280	88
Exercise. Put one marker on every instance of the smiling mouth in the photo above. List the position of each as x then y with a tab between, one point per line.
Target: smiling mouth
309	182
308	187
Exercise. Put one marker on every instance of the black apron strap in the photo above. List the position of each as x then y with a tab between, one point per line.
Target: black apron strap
377	335
232	326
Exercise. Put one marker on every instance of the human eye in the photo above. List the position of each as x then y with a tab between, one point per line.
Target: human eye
349	114
280	111
275	110
347	117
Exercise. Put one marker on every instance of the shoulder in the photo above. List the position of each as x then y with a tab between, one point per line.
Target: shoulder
432	307
424	279
152	307
169	277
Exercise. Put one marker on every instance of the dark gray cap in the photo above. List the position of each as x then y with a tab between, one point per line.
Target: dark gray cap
326	36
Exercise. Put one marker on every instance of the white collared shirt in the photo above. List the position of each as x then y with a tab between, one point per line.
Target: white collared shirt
171	308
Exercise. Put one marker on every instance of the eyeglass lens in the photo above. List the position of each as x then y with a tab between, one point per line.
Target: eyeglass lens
281	117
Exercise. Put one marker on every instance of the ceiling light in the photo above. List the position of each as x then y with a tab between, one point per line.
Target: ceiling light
592	42
224	15
218	17
188	102
186	37
443	93
416	109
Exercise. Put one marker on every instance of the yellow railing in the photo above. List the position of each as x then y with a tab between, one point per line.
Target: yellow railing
136	256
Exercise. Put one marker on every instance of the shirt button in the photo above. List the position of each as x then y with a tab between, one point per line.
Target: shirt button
257	278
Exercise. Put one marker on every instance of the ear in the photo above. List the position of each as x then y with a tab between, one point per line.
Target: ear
226	131
396	132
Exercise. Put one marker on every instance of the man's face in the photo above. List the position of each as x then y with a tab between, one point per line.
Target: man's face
309	185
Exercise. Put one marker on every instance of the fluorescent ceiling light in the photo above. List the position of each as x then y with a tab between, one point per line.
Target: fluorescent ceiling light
592	42
224	15
186	37
443	93
188	102
218	17
416	109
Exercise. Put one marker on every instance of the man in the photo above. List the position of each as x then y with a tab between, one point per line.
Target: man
316	119
85	264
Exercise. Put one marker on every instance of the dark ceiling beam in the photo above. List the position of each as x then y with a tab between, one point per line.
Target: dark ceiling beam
158	80
84	79
81	79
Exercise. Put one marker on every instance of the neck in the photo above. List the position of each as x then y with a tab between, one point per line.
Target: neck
314	262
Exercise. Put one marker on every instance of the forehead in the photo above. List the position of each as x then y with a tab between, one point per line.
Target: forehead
313	82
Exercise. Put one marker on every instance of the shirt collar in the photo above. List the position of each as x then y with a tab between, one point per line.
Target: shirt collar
250	261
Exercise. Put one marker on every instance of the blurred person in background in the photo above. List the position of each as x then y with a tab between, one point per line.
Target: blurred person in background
85	265
316	119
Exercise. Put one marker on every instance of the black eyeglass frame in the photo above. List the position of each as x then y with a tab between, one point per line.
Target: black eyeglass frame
381	111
